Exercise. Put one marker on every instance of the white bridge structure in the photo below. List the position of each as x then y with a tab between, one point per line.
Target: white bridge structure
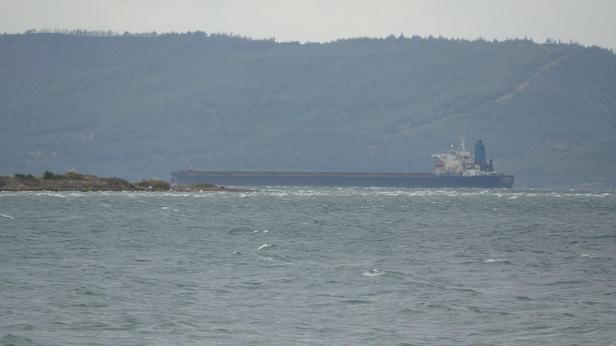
458	161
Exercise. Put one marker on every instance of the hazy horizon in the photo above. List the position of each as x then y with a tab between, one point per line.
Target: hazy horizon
589	23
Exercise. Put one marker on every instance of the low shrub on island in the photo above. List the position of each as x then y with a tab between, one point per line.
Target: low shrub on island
68	175
73	175
154	184
202	186
74	181
23	176
51	175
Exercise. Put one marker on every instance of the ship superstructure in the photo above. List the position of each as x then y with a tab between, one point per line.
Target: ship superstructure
459	161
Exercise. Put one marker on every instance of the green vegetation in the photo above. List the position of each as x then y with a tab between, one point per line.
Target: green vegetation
72	175
201	186
23	176
142	105
51	175
73	181
153	184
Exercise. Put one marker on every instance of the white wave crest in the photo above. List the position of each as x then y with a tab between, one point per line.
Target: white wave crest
494	260
265	246
372	272
51	194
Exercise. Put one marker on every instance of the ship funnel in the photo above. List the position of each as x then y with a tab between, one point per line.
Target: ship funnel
480	154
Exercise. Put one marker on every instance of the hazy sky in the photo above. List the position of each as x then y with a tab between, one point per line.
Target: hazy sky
590	22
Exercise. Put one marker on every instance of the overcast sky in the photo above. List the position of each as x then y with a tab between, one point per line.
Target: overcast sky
590	22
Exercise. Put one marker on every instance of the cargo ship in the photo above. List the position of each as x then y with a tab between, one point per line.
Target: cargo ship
455	168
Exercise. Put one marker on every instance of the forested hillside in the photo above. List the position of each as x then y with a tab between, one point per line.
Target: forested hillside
136	106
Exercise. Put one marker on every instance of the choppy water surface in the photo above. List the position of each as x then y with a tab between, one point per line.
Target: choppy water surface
298	266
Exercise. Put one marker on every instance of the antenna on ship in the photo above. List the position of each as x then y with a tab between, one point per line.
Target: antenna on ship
462	140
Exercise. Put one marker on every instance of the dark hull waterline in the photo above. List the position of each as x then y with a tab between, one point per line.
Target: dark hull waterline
342	179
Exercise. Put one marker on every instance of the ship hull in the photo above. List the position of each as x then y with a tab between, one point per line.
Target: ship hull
416	180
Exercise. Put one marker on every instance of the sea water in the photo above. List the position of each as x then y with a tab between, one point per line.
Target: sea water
293	266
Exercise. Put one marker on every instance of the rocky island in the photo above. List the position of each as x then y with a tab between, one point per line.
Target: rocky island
73	181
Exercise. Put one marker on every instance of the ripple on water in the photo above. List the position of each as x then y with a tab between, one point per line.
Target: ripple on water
349	266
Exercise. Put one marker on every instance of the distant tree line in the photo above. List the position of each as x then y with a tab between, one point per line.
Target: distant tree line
401	36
